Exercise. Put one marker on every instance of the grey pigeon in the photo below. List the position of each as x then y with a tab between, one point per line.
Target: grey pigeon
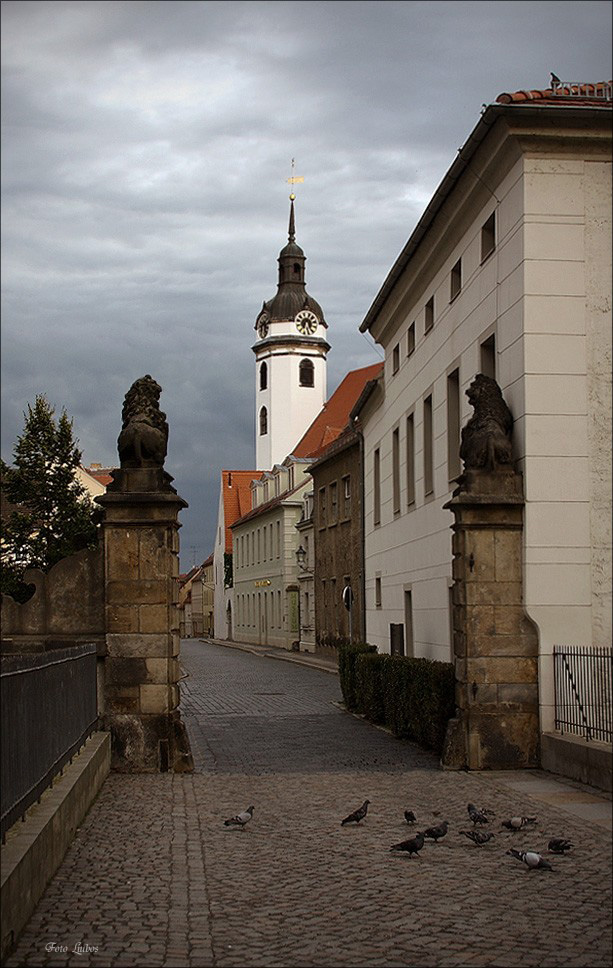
478	837
409	816
357	815
241	819
518	823
558	845
411	846
436	833
477	816
531	859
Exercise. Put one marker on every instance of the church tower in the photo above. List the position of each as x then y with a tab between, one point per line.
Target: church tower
290	359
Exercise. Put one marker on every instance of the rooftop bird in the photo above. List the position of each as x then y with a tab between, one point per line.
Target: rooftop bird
477	816
241	819
531	859
436	833
409	816
411	846
357	815
558	845
478	837
518	823
555	79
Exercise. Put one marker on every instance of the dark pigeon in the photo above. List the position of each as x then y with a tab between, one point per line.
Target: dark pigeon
478	837
409	816
411	846
357	815
477	816
558	845
436	833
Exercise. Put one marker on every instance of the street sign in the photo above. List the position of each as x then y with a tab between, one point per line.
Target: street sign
347	597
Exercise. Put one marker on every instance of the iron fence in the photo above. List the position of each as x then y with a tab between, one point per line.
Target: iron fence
582	677
48	708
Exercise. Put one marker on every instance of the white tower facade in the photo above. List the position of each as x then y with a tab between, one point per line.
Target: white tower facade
290	360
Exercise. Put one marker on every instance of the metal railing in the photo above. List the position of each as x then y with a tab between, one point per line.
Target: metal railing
602	91
48	708
582	680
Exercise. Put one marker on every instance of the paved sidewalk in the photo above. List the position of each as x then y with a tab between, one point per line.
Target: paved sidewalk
155	879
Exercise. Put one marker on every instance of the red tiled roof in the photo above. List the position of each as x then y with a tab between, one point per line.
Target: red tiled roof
100	474
334	416
236	498
563	95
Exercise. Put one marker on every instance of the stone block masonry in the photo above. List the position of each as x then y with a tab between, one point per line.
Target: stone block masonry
141	669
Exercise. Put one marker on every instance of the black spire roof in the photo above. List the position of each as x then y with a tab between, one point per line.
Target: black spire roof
291	294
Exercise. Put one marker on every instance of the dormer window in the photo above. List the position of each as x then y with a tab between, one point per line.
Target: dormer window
307	373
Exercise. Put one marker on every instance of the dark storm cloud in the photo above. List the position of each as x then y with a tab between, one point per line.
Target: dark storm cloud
145	152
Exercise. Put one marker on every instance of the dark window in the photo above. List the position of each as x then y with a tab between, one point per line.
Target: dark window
396	358
333	502
428	447
396	470
453	424
456	279
322	507
377	487
263	421
307	373
488	357
411	339
429	318
488	237
378	592
410	460
263	376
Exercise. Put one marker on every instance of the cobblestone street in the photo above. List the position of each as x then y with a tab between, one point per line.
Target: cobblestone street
155	879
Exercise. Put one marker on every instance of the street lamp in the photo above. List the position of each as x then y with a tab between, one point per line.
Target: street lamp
301	558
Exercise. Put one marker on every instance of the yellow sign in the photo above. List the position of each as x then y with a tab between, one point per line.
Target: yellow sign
262	583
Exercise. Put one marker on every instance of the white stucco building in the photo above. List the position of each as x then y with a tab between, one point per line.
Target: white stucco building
507	273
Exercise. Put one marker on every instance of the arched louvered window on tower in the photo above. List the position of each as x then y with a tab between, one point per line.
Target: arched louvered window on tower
307	373
263	422
263	376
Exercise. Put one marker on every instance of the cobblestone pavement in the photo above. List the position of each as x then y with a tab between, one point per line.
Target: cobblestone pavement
155	879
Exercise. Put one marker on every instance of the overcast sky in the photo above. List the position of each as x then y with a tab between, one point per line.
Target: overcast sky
145	154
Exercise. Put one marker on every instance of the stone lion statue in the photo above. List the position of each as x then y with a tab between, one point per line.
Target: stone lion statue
144	436
486	438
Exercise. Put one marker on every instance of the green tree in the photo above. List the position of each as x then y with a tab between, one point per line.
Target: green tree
48	513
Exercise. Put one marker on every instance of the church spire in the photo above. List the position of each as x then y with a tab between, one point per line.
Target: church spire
291	235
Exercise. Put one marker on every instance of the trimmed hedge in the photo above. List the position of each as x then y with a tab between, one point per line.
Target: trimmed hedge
414	698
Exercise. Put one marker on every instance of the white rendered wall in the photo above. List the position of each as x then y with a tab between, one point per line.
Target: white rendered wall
291	408
545	293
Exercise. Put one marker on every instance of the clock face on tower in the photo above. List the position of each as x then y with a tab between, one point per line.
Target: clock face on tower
306	322
263	325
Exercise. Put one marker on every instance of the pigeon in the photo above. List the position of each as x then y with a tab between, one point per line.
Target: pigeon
436	833
241	819
477	816
518	823
531	859
558	845
478	837
411	846
554	79
410	817
357	815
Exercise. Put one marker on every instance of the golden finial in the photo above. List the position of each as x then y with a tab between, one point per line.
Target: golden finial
294	180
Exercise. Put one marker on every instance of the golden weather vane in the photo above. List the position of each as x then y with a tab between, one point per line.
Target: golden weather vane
294	179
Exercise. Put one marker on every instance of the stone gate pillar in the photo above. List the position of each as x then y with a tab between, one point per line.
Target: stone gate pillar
141	544
495	642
